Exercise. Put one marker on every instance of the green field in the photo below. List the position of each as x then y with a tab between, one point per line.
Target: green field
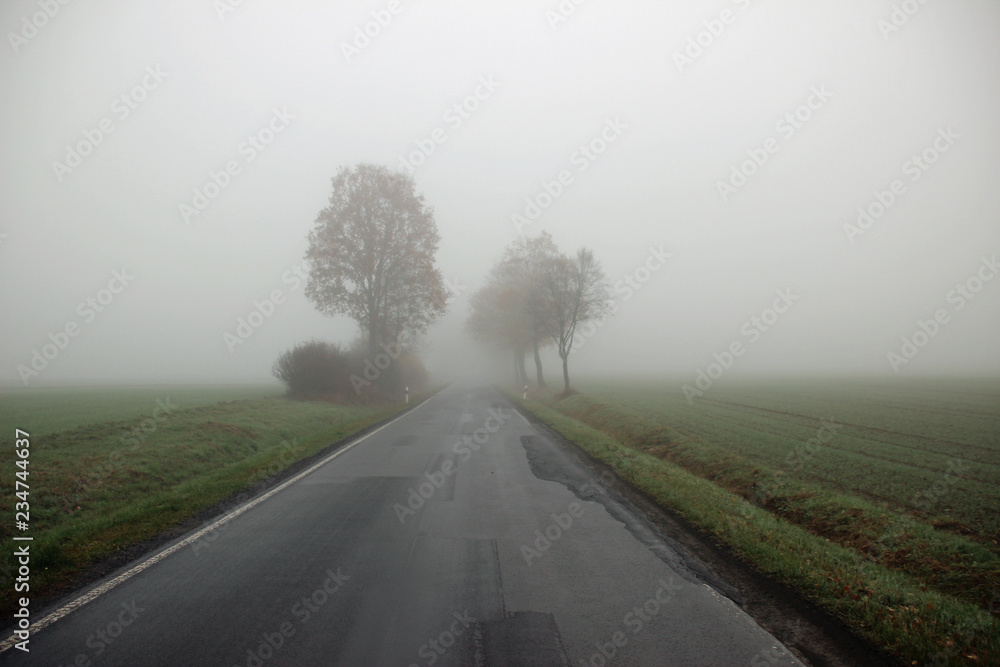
931	447
41	411
877	500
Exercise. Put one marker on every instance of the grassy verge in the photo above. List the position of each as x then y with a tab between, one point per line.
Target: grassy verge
948	562
928	448
892	608
96	490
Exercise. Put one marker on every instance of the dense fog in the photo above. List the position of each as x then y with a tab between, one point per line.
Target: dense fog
815	182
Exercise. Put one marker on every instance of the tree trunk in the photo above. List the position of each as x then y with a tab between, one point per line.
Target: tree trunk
538	367
565	360
520	374
372	341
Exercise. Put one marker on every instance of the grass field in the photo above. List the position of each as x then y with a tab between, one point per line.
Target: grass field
931	447
132	465
41	411
877	500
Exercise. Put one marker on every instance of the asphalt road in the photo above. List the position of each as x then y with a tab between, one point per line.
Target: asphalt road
458	534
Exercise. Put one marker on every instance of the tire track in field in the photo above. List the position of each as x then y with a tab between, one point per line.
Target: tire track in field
903	474
877	429
907	475
907	464
925	409
801	417
860	453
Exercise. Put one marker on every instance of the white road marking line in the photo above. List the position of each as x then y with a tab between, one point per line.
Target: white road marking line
94	593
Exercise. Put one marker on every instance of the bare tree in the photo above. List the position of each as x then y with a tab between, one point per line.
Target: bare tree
371	255
575	292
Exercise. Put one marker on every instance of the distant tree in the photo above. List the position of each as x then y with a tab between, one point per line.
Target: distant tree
524	265
371	255
574	292
510	309
498	318
534	295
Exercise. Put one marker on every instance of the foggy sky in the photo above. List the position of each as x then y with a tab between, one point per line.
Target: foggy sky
199	81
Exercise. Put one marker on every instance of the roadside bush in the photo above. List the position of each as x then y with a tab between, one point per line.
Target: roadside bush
315	369
318	369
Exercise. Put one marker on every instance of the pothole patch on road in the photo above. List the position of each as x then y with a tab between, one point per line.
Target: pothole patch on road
548	463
